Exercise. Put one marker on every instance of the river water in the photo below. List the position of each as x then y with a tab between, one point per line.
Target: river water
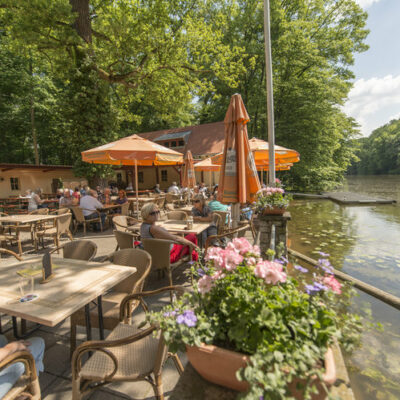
364	242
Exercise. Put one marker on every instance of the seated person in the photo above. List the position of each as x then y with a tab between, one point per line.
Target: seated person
174	188
76	195
90	205
157	188
67	200
12	373
215	205
36	201
106	198
202	213
122	199
148	229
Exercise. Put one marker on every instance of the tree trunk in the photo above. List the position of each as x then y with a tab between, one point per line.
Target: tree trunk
82	23
32	109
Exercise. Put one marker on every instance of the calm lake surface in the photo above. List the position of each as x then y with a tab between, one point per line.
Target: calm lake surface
364	242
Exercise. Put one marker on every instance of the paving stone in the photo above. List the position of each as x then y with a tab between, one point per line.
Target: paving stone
56	358
45	380
60	389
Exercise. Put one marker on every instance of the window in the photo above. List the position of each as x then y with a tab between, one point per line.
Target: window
15	184
140	177
173	144
164	175
181	143
119	177
166	144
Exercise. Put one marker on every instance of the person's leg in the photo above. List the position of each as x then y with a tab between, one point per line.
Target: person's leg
36	347
192	238
175	253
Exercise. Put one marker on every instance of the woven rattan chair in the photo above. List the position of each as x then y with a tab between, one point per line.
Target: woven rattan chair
11	235
128	354
137	258
28	384
159	249
84	250
125	224
125	239
40	211
61	227
11	253
160	201
177	215
80	219
224	223
172	198
220	240
63	210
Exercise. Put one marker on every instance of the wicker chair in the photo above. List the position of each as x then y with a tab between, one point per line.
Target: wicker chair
160	201
128	354
224	224
125	239
137	258
125	224
28	383
60	228
11	253
84	250
177	215
159	249
11	236
172	198
230	234
80	219
63	210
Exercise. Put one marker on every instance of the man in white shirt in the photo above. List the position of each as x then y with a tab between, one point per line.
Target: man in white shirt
90	205
174	188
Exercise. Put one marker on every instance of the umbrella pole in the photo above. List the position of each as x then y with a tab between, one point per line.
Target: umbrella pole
270	96
137	193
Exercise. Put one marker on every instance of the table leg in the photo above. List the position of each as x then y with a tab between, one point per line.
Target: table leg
24	334
100	315
88	322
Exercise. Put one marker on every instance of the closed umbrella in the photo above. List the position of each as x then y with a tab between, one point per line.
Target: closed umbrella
189	179
238	180
133	150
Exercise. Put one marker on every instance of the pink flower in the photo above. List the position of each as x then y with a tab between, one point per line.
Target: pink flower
280	190
277	180
241	245
205	284
251	260
333	284
271	272
216	254
218	275
256	250
232	259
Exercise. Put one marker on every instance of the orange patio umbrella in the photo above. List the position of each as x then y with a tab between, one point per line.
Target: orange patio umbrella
207	165
238	180
260	150
133	150
189	179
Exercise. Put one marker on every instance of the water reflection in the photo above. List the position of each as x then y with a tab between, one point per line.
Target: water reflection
364	241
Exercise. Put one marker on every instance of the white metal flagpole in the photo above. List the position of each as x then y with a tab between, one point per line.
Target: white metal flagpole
270	94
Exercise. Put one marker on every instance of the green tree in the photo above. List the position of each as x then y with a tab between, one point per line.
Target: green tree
313	43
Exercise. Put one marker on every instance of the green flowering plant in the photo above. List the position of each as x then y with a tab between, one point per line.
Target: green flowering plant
273	197
246	304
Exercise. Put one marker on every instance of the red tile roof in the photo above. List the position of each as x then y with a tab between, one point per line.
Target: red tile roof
203	140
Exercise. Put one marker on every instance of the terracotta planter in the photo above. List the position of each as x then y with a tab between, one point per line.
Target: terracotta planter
219	366
274	211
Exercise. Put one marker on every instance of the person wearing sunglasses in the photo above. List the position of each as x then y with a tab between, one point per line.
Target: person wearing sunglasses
202	213
149	230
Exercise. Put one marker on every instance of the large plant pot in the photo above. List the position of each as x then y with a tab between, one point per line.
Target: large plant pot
219	366
274	211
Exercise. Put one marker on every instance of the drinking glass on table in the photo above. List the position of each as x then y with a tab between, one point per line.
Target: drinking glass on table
26	288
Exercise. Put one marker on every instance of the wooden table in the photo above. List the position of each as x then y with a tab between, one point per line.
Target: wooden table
186	209
75	284
27	218
180	227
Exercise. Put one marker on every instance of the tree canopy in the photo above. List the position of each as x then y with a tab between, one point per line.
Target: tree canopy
379	153
77	73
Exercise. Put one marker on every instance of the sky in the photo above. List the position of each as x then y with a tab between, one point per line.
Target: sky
375	97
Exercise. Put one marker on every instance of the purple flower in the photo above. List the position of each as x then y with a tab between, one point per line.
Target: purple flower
285	260
188	318
201	271
323	254
170	313
301	269
315	288
279	261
